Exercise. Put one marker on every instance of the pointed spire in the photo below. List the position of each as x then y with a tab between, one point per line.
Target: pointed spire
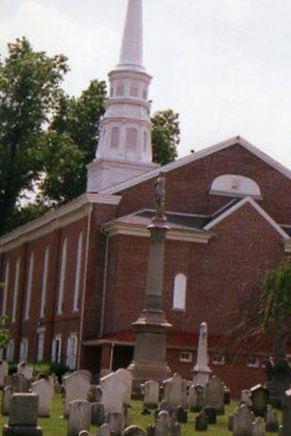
131	56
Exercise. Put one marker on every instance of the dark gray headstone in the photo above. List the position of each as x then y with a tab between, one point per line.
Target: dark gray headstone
211	414
97	414
260	398
201	422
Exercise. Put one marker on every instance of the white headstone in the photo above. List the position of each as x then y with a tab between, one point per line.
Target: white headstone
45	391
151	394
3	371
246	397
79	417
125	375
259	427
214	395
243	421
175	393
114	392
25	369
76	386
104	430
163	425
201	370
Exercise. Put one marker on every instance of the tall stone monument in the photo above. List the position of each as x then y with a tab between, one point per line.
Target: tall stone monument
201	370
151	327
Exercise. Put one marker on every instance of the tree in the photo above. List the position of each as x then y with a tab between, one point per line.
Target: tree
29	92
165	136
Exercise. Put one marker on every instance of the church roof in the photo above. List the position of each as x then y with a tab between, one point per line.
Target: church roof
199	155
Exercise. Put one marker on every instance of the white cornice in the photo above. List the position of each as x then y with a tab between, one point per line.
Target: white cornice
199	155
64	215
117	228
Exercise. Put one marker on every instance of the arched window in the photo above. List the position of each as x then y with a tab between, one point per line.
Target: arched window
131	137
29	286
235	185
44	281
78	271
145	141
115	137
15	290
179	295
134	90
23	353
120	89
6	286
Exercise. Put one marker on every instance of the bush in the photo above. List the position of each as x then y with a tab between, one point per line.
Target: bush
59	369
41	369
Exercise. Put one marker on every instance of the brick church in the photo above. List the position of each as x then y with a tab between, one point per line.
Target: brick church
74	279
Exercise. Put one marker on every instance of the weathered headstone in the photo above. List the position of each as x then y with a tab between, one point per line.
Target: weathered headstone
116	422
133	430
79	417
20	383
201	370
163	425
76	386
175	392
182	415
272	422
211	414
6	397
3	372
114	392
259	427
243	421
45	391
201	421
25	369
259	397
214	395
246	397
151	394
126	377
23	416
97	414
104	430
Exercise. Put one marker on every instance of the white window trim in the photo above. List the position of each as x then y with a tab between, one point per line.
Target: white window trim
78	272
55	358
6	286
62	276
180	293
186	359
29	285
10	351
253	365
72	351
23	354
216	361
44	281
16	289
40	340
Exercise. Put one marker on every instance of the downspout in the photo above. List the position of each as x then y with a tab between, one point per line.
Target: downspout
89	221
104	288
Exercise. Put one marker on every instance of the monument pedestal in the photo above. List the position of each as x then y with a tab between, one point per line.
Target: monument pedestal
150	349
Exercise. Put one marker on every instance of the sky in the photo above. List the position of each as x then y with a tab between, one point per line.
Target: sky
223	65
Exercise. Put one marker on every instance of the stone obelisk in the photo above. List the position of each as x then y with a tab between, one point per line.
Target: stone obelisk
151	327
201	370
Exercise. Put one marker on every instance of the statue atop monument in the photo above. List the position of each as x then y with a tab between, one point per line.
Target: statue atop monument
160	197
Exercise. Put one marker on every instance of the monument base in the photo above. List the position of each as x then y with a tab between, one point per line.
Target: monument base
149	361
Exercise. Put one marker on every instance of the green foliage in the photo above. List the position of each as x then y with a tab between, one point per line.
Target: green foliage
275	299
4	332
29	92
12	368
165	136
41	368
59	369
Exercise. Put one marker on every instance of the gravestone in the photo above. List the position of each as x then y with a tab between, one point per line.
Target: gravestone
114	392
6	397
162	427
104	430
76	386
45	391
243	421
23	416
259	397
116	423
151	394
25	369
175	392
182	415
3	372
133	430
286	403
79	417
259	427
201	370
126	377
201	421
97	414
214	395
20	383
211	414
246	397
272	422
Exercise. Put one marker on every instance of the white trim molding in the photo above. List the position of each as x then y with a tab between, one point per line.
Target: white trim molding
199	155
61	217
259	209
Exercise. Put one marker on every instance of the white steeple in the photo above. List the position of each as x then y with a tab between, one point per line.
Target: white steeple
131	55
124	148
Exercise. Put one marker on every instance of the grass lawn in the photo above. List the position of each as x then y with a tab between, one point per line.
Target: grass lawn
57	425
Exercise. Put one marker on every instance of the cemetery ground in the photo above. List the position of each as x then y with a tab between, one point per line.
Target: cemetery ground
56	425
